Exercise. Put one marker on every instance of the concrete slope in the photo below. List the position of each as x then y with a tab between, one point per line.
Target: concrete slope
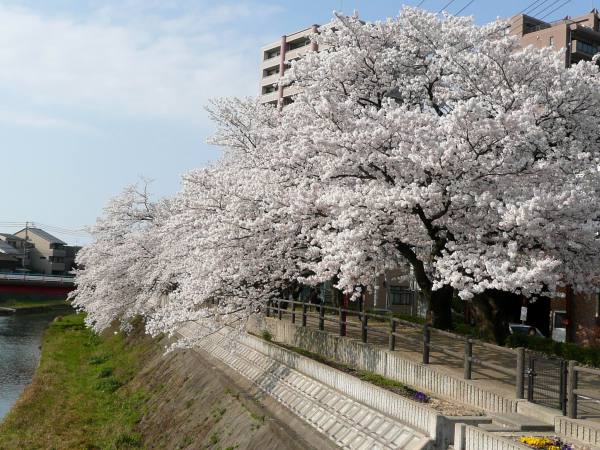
345	421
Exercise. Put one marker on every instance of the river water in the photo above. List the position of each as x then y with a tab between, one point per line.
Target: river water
20	341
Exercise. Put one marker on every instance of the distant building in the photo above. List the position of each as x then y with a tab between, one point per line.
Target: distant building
580	36
19	246
9	260
48	254
276	58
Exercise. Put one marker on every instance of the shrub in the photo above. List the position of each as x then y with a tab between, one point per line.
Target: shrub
109	384
266	335
105	372
584	355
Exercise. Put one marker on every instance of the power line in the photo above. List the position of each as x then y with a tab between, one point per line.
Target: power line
463	8
57	229
444	7
557	8
541	5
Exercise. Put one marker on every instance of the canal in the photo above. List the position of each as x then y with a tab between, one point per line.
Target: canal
20	341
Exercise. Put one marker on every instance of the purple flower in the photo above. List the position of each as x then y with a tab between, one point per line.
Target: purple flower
421	397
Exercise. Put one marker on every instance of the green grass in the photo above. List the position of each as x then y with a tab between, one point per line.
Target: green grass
75	400
369	377
25	303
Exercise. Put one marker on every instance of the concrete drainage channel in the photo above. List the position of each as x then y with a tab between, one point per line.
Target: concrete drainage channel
345	421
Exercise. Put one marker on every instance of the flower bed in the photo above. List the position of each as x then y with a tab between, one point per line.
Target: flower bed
545	443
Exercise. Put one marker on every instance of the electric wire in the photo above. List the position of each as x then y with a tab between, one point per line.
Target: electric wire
445	6
557	8
463	8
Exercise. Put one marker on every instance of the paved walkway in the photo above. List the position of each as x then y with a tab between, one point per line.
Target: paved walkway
411	343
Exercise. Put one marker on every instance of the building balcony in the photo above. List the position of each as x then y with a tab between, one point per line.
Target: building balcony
296	53
270	97
288	91
269	80
271	62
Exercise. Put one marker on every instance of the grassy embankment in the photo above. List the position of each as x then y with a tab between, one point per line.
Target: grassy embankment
74	401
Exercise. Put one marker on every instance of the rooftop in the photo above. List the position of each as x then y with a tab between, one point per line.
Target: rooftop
8	249
44	235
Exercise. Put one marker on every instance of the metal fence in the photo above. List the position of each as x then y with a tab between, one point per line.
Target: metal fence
547	381
541	379
577	393
386	327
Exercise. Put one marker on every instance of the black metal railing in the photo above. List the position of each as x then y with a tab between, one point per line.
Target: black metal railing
368	325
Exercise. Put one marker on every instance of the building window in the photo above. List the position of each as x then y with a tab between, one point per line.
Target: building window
401	296
551	41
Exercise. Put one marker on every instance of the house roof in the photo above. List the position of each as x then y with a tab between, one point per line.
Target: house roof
11	236
44	235
8	249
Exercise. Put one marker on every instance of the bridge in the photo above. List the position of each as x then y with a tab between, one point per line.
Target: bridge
18	283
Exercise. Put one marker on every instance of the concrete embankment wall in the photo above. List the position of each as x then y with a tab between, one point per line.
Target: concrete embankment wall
194	402
389	364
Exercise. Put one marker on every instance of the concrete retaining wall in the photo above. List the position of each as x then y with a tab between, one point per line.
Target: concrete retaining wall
472	438
390	365
410	412
582	430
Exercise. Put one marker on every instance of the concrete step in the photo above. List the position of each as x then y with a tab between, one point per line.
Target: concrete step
520	422
345	421
494	427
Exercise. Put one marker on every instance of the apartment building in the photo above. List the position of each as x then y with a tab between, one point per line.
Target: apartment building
580	36
276	58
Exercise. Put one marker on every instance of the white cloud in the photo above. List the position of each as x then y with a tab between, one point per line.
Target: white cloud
142	58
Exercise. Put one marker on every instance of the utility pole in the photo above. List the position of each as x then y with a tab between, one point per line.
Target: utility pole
25	244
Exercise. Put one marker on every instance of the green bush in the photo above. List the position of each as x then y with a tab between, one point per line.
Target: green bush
585	355
266	335
109	384
474	332
105	372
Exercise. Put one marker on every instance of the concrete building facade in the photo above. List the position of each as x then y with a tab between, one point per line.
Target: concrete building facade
276	58
579	36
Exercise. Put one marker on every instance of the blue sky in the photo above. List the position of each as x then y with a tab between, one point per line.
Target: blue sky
95	94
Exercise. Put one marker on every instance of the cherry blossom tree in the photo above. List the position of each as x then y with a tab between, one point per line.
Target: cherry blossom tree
423	140
119	273
432	133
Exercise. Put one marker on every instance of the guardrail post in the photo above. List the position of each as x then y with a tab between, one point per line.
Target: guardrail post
426	343
279	308
304	313
342	321
392	343
293	311
321	317
468	366
365	322
520	379
571	387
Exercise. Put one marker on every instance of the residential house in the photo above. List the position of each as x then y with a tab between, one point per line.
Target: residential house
48	253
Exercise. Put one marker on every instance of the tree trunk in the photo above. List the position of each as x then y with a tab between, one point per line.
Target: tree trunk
495	310
440	307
